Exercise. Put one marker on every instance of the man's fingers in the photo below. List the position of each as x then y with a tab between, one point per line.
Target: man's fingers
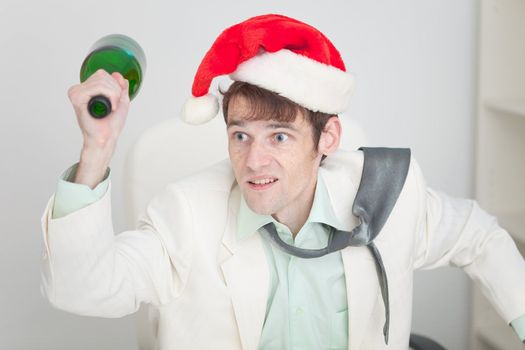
118	77
113	86
124	85
124	96
95	89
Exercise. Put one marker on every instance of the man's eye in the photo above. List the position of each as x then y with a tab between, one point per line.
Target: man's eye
281	137
239	136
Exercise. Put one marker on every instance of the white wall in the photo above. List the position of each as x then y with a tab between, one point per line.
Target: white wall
415	67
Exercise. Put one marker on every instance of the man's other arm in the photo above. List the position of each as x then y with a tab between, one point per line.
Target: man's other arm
457	232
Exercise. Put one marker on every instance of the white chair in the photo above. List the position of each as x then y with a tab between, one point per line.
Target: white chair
169	151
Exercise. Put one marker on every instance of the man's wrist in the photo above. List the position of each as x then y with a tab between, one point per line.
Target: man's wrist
93	165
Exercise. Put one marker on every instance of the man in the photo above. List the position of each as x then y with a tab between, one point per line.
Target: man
204	253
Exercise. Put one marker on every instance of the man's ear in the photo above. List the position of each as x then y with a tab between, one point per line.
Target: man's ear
330	136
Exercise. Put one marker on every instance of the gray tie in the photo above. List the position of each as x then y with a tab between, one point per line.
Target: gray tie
383	177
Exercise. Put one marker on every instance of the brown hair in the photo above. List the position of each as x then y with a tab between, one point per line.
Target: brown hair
268	105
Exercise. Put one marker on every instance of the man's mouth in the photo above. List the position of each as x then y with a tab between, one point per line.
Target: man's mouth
262	183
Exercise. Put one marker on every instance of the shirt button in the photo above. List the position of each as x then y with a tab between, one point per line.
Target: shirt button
298	311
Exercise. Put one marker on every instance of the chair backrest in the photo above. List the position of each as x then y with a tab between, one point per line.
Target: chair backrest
166	152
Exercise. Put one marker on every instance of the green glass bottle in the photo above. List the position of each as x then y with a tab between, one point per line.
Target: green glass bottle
114	53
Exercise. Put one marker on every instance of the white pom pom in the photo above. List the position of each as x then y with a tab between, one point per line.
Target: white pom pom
199	110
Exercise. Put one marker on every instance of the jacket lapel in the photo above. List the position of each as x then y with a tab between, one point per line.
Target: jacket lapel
362	290
247	277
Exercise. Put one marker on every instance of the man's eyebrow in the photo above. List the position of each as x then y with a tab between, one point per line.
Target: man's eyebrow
234	122
282	125
277	125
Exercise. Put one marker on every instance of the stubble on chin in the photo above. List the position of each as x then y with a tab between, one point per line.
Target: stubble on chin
260	205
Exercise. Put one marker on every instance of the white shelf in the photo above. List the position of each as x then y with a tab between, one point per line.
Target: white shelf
514	222
500	145
514	107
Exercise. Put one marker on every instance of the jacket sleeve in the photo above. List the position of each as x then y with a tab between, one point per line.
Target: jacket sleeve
457	232
88	270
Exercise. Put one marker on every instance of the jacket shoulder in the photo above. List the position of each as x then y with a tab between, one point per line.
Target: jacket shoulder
349	164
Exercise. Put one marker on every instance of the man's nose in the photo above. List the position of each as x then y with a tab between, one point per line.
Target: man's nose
258	156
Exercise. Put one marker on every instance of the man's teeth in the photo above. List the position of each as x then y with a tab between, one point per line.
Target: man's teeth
262	181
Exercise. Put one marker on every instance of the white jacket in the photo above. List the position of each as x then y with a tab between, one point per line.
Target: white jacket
211	289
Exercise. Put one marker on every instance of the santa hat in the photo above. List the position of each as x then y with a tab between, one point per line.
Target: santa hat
279	54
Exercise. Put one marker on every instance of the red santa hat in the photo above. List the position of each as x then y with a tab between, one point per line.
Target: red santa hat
279	54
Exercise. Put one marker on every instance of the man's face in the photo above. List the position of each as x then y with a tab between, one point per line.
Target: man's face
275	163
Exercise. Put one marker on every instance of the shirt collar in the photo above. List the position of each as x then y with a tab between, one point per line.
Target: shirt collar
322	212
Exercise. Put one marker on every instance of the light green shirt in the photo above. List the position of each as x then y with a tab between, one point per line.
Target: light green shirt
289	318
